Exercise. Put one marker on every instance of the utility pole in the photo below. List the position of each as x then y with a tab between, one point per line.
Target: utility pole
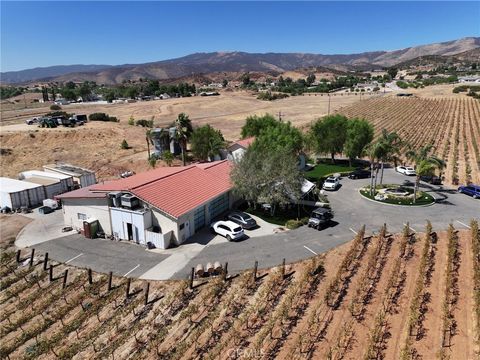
328	103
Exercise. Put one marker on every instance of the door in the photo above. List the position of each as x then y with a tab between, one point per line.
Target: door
129	231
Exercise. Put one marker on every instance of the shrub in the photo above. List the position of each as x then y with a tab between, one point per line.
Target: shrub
55	107
124	145
293	224
145	123
131	121
102	117
268	96
402	84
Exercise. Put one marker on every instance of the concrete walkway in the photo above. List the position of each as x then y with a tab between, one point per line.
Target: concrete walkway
43	228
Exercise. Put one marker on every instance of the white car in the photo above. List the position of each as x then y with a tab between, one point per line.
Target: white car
331	183
227	229
406	170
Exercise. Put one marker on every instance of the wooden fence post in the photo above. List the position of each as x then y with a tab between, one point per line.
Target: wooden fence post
45	262
255	268
110	281
31	257
19	253
90	277
191	278
50	273
65	276
127	292
225	272
147	290
283	268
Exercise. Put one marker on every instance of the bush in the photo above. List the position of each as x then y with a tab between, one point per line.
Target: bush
293	224
268	96
124	145
58	113
131	121
402	84
145	123
102	117
55	107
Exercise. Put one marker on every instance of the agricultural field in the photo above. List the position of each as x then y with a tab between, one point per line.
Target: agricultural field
451	125
409	296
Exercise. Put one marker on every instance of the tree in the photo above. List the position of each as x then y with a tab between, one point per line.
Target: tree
183	133
391	144
310	79
359	135
152	161
255	124
207	142
69	94
280	136
267	177
168	157
110	96
124	145
374	152
425	164
55	107
328	135
392	72
224	83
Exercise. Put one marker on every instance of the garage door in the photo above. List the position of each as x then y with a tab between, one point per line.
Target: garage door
218	206
199	218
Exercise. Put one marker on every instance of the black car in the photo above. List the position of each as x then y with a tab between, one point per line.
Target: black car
434	180
359	174
242	219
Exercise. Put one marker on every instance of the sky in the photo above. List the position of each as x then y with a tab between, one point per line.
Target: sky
38	34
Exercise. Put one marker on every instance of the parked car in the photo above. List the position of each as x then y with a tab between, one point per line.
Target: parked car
320	218
406	170
359	174
45	210
331	183
227	229
242	219
472	190
31	121
434	180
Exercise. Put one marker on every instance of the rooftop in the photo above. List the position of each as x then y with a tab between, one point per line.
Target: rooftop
85	192
44	174
41	180
13	185
68	169
245	143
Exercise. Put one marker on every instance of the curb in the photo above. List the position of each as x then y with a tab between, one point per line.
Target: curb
405	206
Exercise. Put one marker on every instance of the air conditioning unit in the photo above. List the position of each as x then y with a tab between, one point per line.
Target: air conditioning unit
130	201
115	197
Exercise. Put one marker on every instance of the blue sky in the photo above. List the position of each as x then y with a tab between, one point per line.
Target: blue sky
35	34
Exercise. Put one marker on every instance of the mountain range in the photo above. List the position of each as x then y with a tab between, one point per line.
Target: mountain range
205	63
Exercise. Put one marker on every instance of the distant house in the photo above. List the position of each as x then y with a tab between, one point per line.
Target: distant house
164	139
469	79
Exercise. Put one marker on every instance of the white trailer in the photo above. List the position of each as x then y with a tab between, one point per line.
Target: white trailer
16	193
54	183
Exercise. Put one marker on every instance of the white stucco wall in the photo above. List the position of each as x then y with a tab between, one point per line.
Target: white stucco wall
92	208
140	222
165	223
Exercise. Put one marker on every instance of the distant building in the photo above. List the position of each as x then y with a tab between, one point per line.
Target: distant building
53	183
81	177
15	194
164	139
469	79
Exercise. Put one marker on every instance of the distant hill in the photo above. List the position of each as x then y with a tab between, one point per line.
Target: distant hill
466	57
205	63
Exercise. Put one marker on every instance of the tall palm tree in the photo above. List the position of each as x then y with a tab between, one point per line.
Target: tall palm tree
425	164
184	130
391	145
147	139
374	151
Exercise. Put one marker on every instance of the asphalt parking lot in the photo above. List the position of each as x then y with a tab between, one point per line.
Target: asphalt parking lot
351	212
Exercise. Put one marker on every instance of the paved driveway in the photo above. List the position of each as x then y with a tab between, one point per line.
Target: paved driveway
351	212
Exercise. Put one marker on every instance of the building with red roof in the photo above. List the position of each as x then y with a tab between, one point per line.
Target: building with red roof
162	206
238	148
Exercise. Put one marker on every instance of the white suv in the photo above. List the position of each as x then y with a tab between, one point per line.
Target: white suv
406	170
331	183
227	229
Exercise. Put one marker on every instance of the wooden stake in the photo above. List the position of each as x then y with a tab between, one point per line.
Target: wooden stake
255	268
31	257
283	268
65	276
225	272
19	253
110	281
127	292
90	277
191	278
45	262
147	290
50	274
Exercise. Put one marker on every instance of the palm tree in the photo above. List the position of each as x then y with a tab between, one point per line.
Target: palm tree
374	151
147	139
391	144
183	132
425	164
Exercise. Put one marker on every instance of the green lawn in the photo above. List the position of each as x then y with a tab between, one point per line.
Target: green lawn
323	169
422	197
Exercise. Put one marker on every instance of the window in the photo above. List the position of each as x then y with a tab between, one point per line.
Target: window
81	216
182	226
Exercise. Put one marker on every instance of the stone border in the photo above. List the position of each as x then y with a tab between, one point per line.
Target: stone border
406	206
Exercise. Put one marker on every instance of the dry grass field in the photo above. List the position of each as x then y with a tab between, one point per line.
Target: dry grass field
451	125
406	296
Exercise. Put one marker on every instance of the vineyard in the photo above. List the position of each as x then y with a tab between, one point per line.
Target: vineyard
388	296
451	125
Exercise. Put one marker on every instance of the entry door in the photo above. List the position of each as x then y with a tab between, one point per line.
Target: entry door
129	231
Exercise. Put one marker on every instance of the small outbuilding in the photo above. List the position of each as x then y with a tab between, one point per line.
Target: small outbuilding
15	194
53	183
81	177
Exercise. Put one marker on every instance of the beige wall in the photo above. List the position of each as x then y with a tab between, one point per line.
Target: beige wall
93	208
165	223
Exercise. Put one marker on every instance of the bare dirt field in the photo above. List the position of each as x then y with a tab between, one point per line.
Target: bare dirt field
404	296
10	226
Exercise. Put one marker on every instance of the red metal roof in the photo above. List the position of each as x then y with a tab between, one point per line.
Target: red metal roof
245	143
174	190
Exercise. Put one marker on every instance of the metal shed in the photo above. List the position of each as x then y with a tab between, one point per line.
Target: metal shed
53	183
81	176
17	193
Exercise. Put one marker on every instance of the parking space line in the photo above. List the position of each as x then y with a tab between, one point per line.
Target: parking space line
75	257
306	247
135	268
410	228
463	224
356	233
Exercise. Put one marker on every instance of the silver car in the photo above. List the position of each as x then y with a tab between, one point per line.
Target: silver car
242	219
